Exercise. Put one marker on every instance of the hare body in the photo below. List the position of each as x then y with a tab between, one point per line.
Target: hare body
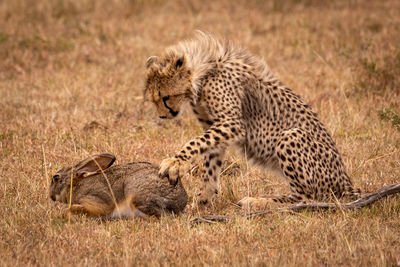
137	191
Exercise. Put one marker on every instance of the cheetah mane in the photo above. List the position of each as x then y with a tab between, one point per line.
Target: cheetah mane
204	50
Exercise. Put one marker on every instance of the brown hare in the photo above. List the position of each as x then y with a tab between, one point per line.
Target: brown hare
136	189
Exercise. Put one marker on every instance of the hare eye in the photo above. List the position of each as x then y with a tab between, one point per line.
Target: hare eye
56	178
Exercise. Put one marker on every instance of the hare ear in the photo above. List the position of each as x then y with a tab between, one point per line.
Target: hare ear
150	61
94	164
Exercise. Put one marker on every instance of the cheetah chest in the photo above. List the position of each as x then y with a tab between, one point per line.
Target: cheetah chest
202	115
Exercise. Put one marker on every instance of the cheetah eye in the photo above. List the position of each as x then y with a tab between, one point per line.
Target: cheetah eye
165	99
179	62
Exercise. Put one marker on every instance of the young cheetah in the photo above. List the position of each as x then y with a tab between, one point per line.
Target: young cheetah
239	101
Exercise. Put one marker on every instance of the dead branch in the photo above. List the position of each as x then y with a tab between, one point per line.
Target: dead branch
366	200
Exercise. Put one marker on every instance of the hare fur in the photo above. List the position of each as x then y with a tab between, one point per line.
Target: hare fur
137	191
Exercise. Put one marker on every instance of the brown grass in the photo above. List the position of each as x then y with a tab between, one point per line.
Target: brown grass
64	64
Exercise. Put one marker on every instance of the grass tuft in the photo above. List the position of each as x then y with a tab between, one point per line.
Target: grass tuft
381	77
391	116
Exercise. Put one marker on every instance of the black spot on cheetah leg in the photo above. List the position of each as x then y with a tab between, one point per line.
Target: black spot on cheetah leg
210	175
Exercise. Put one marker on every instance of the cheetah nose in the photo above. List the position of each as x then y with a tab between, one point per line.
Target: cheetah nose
163	117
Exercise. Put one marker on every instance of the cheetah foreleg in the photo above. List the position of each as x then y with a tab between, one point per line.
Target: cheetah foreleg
217	137
210	175
252	203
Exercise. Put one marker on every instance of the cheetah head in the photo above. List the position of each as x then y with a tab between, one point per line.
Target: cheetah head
168	84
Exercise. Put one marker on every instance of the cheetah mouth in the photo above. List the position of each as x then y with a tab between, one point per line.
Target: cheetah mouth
171	111
173	115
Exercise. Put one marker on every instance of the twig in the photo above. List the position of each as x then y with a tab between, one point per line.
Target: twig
210	219
366	200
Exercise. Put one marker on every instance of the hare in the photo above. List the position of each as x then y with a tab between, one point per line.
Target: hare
136	189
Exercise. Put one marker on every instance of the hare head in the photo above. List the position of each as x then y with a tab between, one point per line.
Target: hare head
61	181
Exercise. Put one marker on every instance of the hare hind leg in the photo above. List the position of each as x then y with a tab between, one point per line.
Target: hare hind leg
90	206
127	210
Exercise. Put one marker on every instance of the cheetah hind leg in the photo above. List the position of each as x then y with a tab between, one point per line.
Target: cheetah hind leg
251	203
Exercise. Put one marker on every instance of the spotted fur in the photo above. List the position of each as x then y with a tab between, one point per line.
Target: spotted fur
240	102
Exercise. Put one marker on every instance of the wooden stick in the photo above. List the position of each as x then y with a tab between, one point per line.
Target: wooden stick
366	200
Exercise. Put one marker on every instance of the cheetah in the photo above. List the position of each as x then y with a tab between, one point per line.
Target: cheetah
238	101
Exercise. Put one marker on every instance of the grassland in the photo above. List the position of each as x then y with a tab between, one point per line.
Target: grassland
66	64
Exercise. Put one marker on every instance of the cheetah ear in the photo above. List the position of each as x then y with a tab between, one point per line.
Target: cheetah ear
150	61
179	62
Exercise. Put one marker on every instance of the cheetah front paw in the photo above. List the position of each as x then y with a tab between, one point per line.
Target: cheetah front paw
251	203
173	169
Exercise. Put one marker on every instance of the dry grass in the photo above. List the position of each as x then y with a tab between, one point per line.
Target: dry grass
66	63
